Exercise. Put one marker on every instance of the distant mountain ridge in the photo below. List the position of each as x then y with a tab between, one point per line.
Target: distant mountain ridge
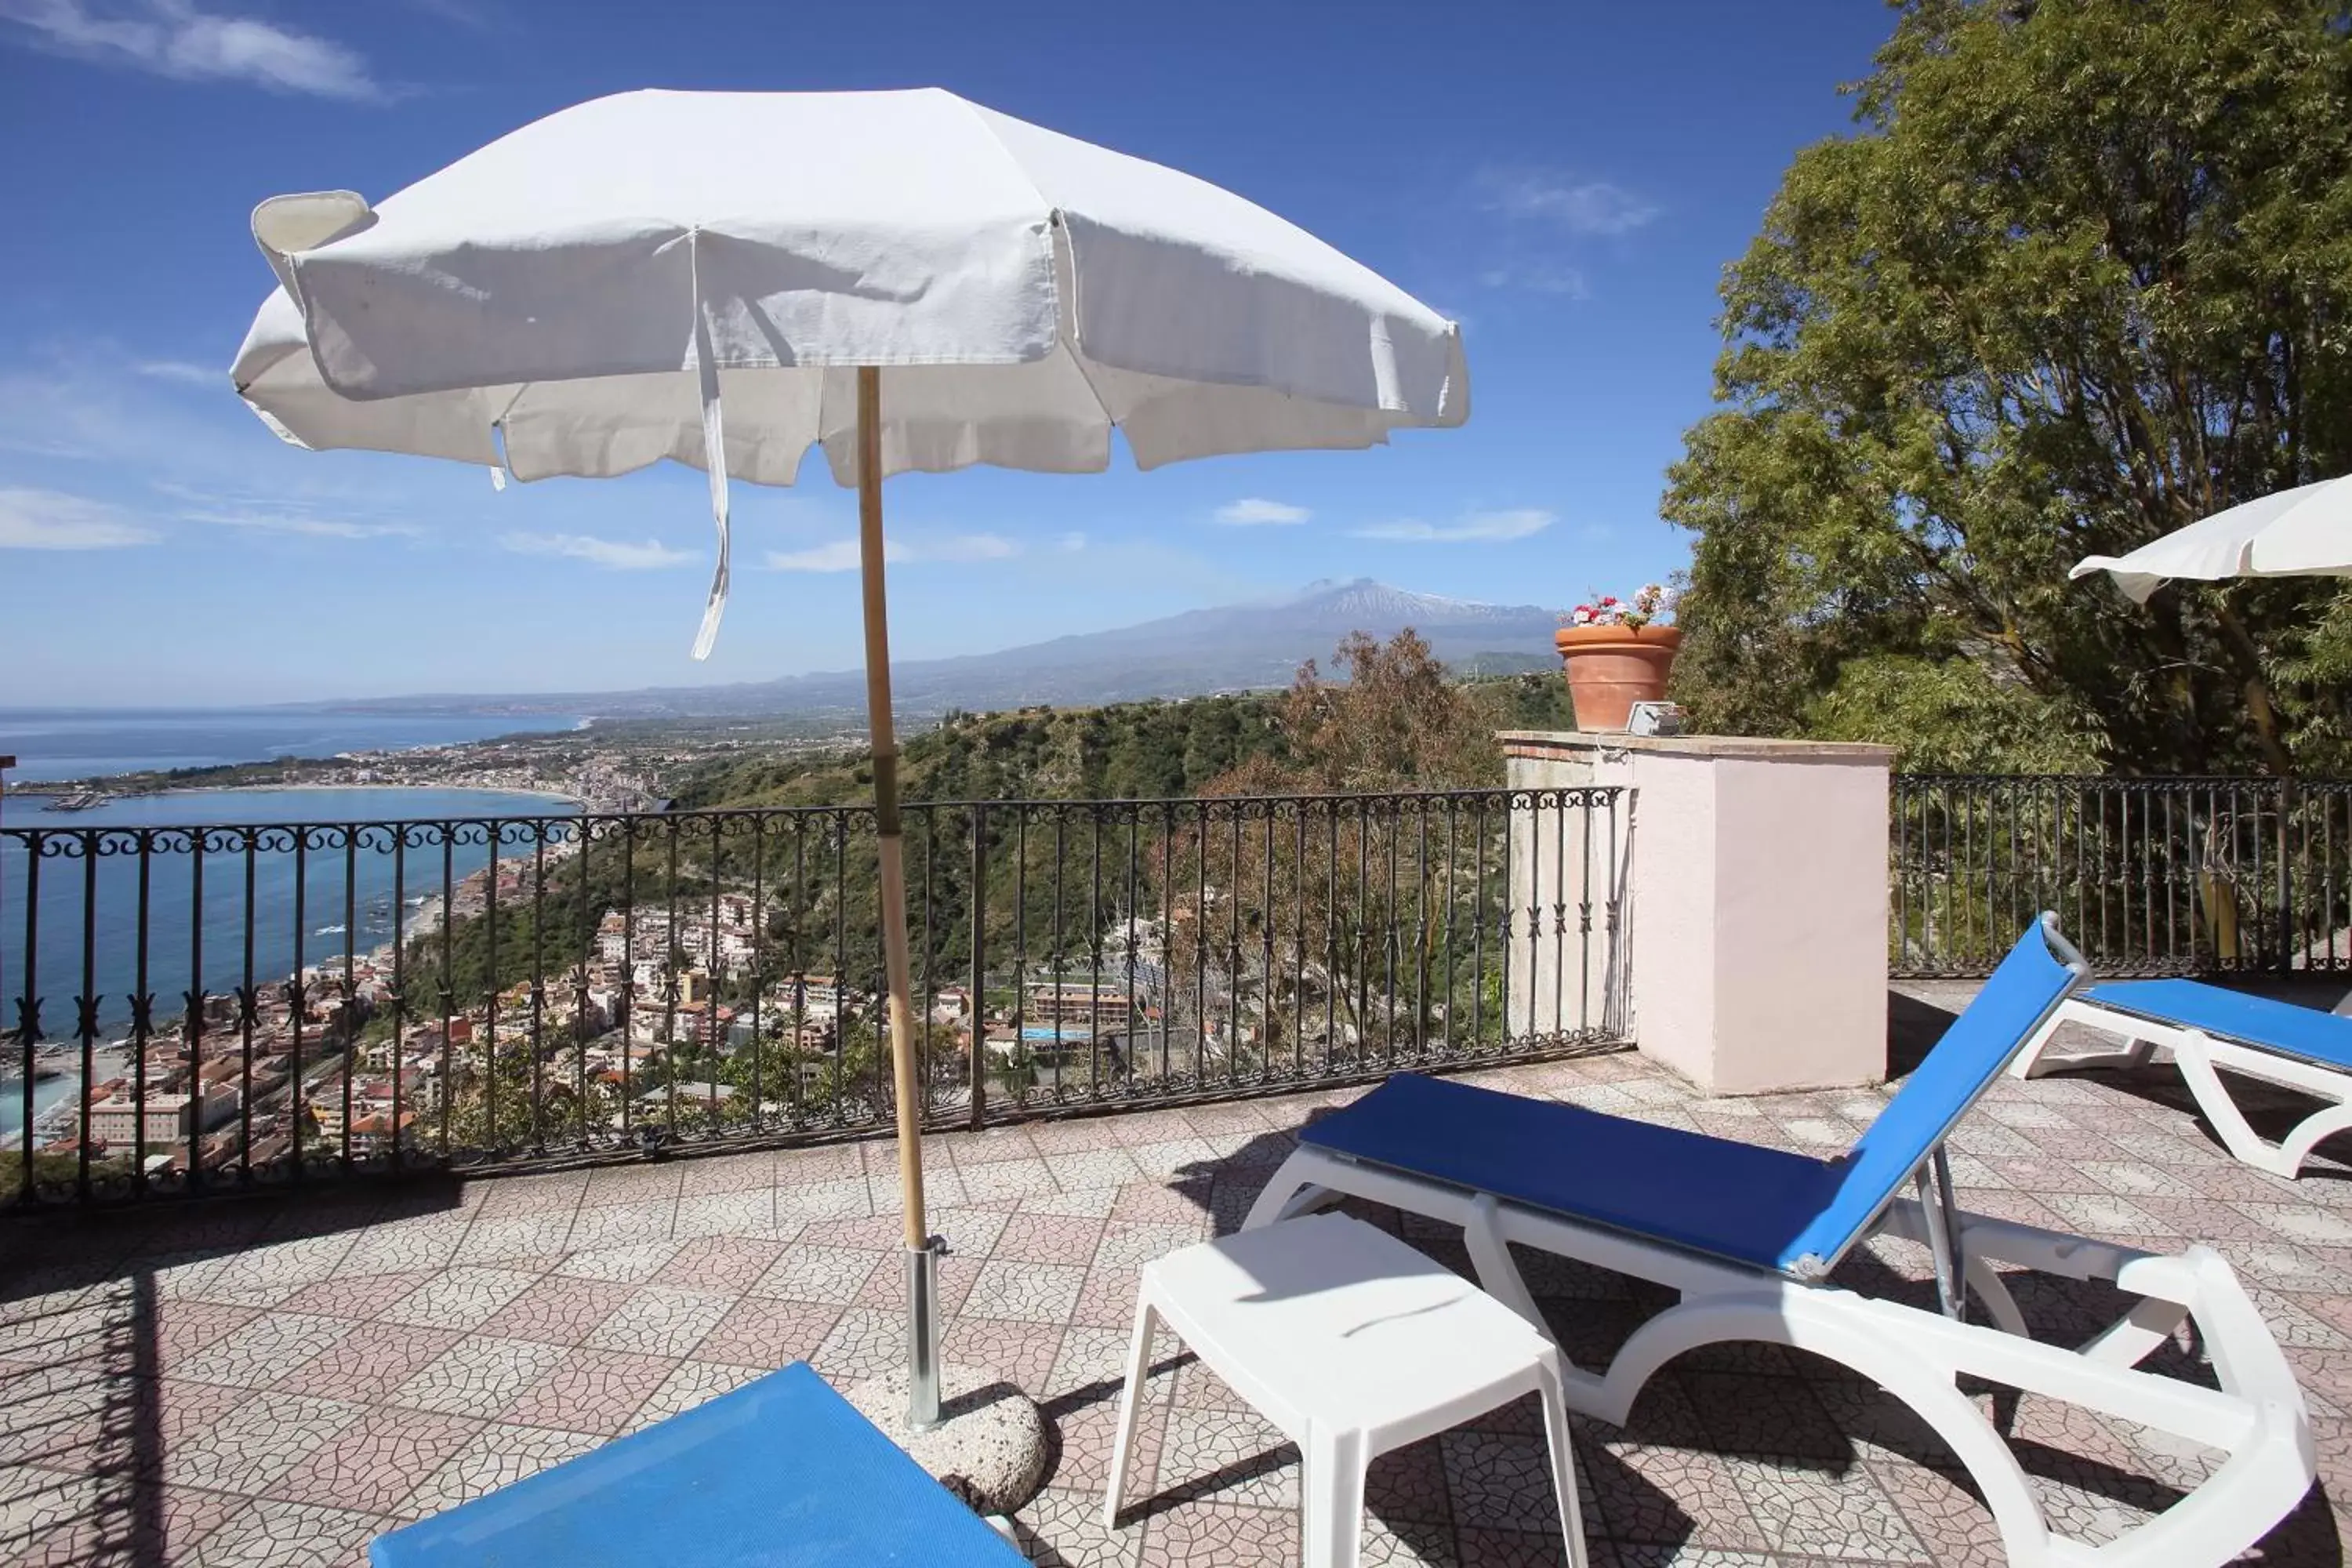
1229	647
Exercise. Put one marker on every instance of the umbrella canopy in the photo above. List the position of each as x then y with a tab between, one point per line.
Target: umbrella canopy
726	279
2303	532
585	295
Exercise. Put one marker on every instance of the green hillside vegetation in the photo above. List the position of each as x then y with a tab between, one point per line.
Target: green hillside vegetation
1127	751
1262	743
1056	879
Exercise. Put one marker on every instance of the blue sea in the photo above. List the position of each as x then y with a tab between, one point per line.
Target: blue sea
345	903
76	744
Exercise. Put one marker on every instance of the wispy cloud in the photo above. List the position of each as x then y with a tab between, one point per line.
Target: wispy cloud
50	520
834	555
1476	528
1580	206
93	399
259	511
1256	511
614	554
842	554
174	38
201	458
183	372
1071	543
1537	278
304	524
962	547
69	410
480	18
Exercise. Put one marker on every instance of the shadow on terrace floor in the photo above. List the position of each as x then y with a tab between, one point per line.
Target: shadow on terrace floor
1406	1490
1914	1024
1755	1403
85	1341
117	1350
2066	1311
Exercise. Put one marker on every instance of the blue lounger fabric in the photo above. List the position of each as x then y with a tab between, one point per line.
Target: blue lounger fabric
1772	1210
1710	1195
780	1471
2281	1026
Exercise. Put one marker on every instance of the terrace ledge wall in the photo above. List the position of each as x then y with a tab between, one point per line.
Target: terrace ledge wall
1744	931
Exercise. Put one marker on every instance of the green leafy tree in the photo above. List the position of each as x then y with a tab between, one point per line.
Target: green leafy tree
1344	925
1398	721
2083	275
510	1102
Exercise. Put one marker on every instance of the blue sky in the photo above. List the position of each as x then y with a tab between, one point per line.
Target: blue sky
1566	179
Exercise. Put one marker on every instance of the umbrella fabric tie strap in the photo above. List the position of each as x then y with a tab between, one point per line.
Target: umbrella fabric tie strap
714	450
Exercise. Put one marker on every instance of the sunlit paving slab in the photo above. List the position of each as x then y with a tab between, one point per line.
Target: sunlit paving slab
280	1381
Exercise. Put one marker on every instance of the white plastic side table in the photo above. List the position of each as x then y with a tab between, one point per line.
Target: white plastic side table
1352	1343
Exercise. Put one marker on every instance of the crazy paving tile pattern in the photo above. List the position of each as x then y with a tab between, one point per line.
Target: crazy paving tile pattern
278	1381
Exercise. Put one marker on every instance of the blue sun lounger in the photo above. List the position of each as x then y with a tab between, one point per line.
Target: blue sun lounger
2209	1031
780	1471
1748	1237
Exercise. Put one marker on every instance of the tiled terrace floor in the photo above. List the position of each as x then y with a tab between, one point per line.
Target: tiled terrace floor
275	1384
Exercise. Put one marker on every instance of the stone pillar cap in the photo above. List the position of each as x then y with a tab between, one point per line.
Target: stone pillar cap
1744	747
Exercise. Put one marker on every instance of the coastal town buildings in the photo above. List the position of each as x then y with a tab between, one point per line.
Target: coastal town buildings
367	1054
171	1117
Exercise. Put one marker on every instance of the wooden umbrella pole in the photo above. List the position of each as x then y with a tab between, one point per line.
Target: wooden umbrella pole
921	1296
884	730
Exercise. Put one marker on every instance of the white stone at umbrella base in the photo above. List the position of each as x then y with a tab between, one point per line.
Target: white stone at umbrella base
989	1447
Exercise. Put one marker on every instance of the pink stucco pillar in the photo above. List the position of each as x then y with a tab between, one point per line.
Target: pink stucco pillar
1750	951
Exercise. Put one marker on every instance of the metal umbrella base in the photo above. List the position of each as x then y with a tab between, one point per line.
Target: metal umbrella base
979	1435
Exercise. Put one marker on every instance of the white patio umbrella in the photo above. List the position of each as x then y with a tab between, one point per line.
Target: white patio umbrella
2303	532
907	279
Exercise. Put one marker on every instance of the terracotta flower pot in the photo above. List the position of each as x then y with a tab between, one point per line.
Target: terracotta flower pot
1610	668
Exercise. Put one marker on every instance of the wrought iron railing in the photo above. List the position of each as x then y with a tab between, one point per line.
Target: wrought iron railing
205	1008
2150	875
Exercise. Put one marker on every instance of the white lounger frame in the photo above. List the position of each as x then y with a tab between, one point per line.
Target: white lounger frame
2257	1417
2202	1057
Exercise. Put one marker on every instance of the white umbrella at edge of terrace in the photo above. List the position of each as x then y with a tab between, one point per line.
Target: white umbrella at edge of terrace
2299	532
